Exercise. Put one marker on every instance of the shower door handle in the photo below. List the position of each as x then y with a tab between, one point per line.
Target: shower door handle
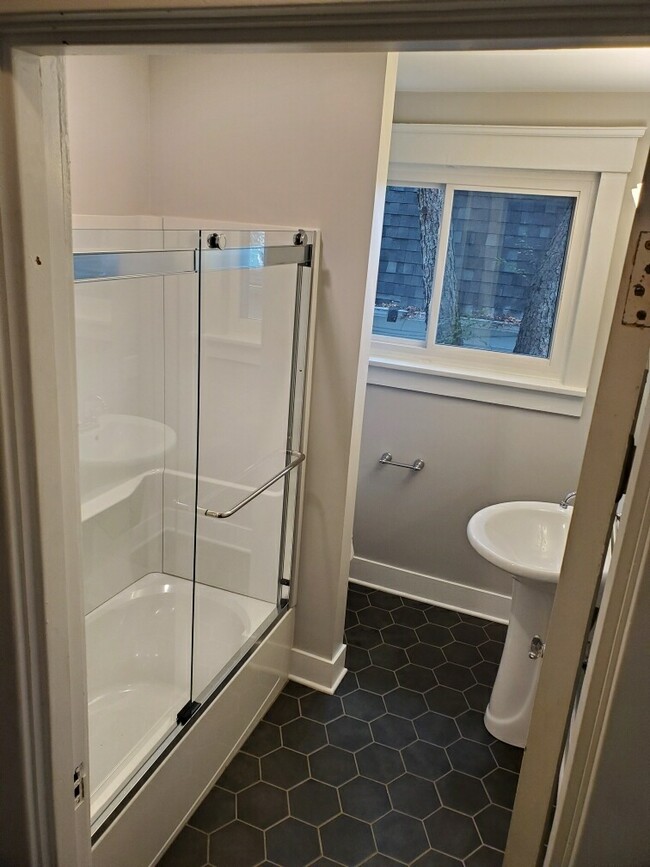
298	458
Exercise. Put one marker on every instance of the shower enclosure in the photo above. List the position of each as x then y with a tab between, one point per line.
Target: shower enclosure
191	361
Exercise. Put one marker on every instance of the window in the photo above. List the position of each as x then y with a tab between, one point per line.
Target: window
492	272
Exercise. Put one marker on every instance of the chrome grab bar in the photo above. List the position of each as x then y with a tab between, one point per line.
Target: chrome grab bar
387	458
298	458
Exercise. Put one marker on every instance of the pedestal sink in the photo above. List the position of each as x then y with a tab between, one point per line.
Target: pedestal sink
527	540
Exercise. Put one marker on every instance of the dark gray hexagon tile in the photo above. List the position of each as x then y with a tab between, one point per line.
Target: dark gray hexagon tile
236	843
462	654
356	600
351	619
468	633
442	699
376	618
243	771
414	796
432	633
493	824
452	833
364	799
283	709
416	677
399	636
347	840
462	792
347	685
264	739
485	672
321	707
507	756
304	735
471	726
189	849
297	690
405	703
442	616
349	733
400	837
356	658
393	731
485	857
478	697
496	631
215	810
380	763
425	760
436	728
491	651
364	705
437	859
332	765
363	636
426	655
387	656
291	843
501	786
381	599
375	679
314	802
262	805
379	860
416	603
409	617
472	758
455	676
284	768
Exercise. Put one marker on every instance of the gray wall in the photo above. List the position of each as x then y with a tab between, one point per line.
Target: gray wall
475	453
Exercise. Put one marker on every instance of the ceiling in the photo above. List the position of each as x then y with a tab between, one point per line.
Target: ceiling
547	70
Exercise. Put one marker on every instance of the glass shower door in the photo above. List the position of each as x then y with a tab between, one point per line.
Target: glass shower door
254	300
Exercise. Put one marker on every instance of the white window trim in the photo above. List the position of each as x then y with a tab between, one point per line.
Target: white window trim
589	163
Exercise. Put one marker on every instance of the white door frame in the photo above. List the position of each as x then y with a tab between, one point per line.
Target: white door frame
38	442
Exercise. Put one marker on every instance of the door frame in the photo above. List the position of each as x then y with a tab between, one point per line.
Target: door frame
38	433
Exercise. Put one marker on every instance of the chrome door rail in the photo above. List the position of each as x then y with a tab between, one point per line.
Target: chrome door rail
123	264
298	458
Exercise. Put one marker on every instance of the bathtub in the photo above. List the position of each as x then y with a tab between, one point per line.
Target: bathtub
138	647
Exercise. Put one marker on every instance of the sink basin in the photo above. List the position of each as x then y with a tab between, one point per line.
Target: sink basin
120	447
526	539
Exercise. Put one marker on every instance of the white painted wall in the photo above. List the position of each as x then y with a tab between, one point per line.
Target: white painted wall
288	140
475	453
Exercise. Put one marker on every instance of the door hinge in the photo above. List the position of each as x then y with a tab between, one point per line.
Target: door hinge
637	303
78	784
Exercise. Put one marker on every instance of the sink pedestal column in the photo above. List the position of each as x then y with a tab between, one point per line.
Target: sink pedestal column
508	714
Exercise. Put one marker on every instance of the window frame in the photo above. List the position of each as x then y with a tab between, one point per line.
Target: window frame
535	161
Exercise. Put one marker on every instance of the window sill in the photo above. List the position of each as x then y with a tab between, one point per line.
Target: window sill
517	391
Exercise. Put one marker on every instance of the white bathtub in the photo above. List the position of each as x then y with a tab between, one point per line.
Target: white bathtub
138	648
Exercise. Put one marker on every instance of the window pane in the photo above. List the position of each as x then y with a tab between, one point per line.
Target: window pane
503	273
407	261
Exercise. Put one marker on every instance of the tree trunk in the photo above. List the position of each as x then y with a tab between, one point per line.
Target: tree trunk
430	202
536	329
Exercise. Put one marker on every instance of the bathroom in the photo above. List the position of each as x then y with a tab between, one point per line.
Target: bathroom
164	146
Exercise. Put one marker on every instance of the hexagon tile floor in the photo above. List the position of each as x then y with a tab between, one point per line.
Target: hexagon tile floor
396	768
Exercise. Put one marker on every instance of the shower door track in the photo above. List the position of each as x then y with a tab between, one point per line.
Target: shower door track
125	264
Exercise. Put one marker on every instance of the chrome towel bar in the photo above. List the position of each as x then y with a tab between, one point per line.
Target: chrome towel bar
298	458
387	458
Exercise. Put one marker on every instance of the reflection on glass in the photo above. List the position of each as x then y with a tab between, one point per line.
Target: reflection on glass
503	274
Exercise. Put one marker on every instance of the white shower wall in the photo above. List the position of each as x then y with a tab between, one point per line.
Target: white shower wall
137	356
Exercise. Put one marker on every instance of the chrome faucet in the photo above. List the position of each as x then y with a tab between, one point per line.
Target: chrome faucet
564	504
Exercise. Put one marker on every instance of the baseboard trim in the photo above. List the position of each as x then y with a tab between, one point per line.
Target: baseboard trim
427	588
318	672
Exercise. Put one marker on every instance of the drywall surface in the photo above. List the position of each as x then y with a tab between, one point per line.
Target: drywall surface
476	453
108	125
287	140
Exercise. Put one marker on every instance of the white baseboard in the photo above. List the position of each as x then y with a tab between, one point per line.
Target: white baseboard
427	588
318	672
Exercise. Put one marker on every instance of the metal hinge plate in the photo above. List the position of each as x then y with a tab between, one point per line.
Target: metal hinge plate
637	304
78	784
